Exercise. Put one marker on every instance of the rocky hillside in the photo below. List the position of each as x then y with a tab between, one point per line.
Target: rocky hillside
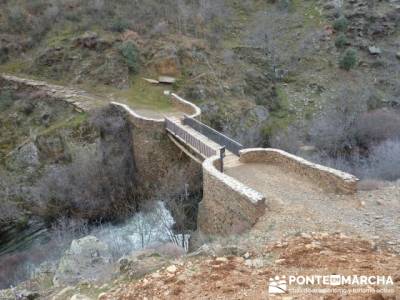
318	78
56	154
265	72
245	275
220	270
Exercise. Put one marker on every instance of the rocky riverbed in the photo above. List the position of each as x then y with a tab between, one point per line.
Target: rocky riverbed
93	254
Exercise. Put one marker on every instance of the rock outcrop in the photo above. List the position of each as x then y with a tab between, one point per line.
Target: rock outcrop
87	259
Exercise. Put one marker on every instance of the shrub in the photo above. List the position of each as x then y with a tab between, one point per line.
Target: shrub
3	55
6	99
340	24
16	19
119	25
36	7
131	56
98	183
376	126
348	60
385	160
332	129
97	5
341	40
287	5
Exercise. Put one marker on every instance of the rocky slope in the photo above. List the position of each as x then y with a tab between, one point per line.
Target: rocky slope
222	270
41	128
246	276
252	73
264	72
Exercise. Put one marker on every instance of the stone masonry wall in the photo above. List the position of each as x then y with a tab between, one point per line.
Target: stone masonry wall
228	206
330	179
161	168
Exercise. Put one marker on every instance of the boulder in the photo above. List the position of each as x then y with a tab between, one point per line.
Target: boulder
170	250
141	263
26	157
52	148
374	50
87	40
87	259
166	79
216	249
172	269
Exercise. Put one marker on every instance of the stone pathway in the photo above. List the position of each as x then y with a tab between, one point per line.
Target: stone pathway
84	101
296	205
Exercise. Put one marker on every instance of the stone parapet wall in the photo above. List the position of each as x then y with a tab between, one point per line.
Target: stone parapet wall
138	119
228	206
330	179
185	106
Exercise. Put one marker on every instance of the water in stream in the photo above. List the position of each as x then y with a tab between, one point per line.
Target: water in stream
24	253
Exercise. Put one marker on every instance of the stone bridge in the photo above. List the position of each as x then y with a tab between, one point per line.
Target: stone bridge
239	185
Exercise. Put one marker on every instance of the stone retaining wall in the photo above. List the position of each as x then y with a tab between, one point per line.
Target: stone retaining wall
330	179
161	167
228	206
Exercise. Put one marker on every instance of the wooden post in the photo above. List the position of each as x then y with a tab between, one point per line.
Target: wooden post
221	156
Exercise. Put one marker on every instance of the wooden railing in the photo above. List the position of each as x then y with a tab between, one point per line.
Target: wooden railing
177	130
213	135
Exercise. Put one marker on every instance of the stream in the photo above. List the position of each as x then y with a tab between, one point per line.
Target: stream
23	253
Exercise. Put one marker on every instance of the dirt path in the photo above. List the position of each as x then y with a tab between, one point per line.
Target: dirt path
298	205
86	101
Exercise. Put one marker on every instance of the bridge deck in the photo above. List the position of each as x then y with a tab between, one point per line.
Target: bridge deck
197	135
296	204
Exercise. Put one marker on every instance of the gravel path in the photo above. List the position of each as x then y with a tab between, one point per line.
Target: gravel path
296	205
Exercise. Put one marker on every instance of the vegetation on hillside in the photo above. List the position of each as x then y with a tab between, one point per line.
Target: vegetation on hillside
316	78
279	61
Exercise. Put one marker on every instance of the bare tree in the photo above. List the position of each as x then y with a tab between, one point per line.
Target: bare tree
332	128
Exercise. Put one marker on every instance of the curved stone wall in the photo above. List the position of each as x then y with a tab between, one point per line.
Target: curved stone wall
330	179
228	206
187	107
